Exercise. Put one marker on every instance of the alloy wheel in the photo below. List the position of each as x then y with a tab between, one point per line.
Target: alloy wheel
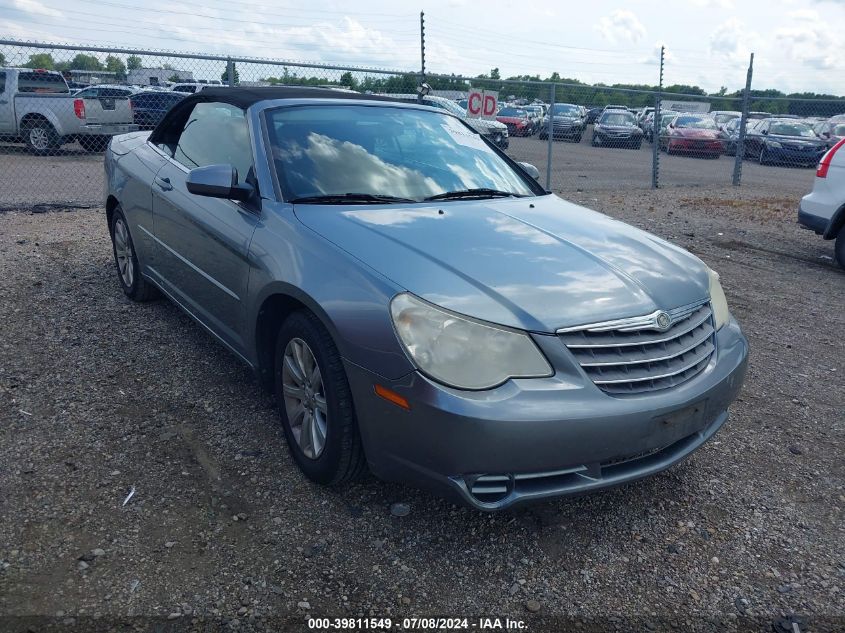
39	138
123	253
305	398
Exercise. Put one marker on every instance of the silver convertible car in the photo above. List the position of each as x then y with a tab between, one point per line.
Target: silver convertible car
418	303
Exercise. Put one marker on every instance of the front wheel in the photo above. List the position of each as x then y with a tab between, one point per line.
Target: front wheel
315	402
762	158
577	138
638	144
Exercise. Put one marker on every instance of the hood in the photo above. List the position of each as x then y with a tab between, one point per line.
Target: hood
486	124
689	132
537	264
795	140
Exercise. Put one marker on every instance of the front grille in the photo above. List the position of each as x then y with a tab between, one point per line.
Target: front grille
631	356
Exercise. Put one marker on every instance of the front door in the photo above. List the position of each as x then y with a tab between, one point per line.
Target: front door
202	243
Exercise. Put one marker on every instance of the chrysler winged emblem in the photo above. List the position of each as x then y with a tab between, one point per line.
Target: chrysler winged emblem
663	321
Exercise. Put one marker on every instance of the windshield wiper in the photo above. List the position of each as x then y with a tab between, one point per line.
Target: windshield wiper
349	198
479	192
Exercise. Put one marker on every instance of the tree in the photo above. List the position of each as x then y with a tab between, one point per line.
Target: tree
225	76
133	62
85	62
348	80
494	74
116	65
175	78
40	60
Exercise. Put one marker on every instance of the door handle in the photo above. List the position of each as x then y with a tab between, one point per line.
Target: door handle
164	183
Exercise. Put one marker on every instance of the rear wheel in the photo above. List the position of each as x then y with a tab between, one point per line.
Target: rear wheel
315	402
839	248
41	138
762	158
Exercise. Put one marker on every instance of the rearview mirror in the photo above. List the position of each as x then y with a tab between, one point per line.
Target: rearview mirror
531	170
218	181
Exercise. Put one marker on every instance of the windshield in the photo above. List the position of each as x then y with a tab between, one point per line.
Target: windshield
617	118
698	123
515	112
564	109
792	129
382	151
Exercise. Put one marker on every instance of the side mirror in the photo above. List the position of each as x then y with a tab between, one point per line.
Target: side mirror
218	181
765	131
531	170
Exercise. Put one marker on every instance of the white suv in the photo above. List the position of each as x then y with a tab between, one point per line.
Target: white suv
823	209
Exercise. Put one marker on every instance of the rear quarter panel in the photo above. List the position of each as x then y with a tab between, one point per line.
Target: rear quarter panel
131	164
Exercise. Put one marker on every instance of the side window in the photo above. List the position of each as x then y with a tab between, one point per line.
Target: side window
213	134
2	82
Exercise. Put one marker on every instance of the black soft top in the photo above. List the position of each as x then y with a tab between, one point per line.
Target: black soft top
245	97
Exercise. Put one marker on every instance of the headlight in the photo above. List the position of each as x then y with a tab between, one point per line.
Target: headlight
773	144
718	302
460	352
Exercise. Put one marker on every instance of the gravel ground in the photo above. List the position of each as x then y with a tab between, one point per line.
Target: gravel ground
101	397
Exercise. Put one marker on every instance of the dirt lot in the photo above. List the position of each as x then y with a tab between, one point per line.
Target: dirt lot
101	396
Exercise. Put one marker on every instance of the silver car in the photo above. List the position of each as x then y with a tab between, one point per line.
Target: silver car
418	303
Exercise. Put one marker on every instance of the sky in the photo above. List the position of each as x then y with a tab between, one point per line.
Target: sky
707	42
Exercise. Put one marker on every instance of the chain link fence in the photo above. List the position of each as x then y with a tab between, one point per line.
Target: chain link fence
580	137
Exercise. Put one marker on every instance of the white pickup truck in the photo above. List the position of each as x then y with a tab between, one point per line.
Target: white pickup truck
37	108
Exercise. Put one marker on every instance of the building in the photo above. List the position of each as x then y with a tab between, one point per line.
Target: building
157	76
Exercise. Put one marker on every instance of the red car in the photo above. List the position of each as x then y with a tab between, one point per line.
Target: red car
517	120
695	134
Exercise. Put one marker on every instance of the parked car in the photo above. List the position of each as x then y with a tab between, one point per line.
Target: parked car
694	134
394	333
665	117
723	117
617	128
150	106
516	120
106	91
192	87
536	114
784	142
830	131
593	114
823	209
615	107
641	116
567	122
731	131
37	108
493	131
759	115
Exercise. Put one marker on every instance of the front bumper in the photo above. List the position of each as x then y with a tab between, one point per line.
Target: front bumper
694	145
540	438
794	156
108	129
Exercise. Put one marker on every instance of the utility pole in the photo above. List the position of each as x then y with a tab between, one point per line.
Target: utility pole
655	134
740	141
422	47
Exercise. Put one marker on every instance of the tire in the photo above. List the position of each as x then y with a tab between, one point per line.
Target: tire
637	145
341	458
133	283
94	143
577	138
762	157
593	141
839	248
41	138
668	149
